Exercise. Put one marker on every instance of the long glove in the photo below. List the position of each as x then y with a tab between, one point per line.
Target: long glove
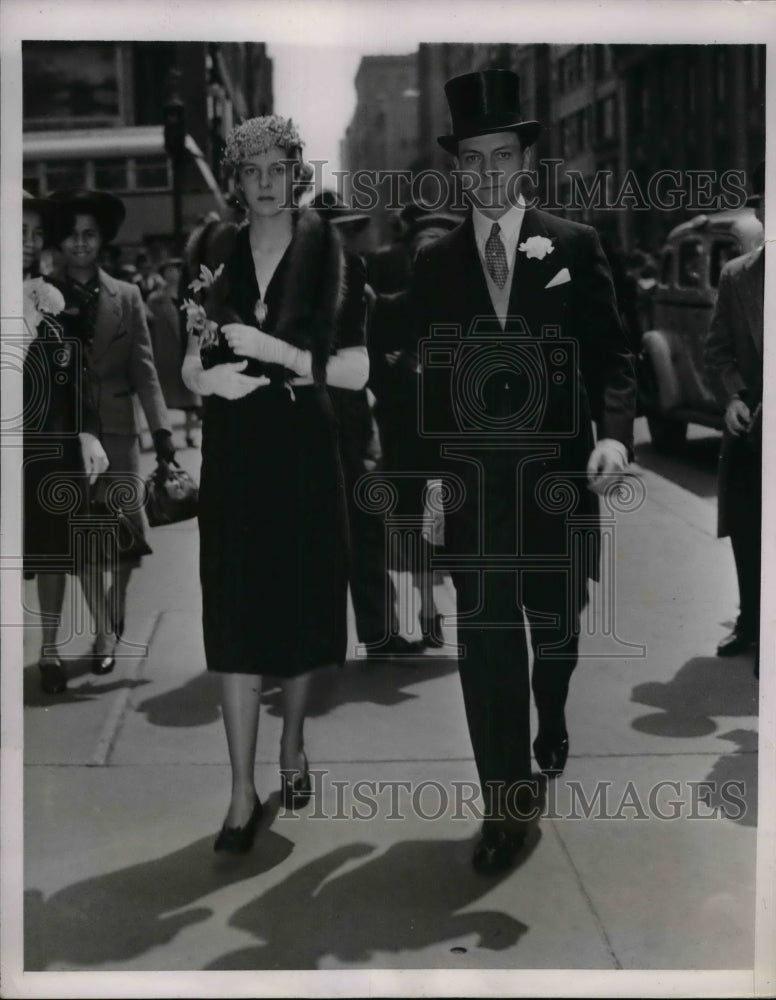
249	342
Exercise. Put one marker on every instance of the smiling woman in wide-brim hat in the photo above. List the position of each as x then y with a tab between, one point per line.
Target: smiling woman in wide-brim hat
483	103
106	209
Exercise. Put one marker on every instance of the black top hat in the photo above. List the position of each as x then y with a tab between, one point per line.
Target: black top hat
485	102
107	209
758	184
331	207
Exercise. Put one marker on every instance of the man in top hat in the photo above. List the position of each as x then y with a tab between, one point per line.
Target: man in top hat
521	351
733	360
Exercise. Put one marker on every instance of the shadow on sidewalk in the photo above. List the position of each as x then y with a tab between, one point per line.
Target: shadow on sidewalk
734	778
198	701
405	899
123	914
704	688
97	687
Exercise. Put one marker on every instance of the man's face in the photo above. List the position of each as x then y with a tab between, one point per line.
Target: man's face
494	164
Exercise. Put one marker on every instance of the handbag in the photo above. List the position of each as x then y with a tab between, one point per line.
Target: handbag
120	538
171	495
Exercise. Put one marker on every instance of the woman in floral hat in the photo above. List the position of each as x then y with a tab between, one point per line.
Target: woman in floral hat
283	316
62	449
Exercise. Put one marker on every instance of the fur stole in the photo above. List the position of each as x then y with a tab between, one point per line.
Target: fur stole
312	290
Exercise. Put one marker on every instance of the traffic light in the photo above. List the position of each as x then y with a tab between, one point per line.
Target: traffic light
175	128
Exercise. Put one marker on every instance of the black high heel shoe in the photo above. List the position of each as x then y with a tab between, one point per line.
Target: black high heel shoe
239	839
297	792
53	679
103	663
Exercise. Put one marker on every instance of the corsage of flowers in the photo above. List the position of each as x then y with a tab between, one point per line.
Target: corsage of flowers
536	246
42	301
197	321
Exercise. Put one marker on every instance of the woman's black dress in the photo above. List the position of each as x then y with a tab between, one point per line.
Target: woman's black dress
57	407
272	517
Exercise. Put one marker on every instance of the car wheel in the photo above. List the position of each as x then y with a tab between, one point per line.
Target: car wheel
667	435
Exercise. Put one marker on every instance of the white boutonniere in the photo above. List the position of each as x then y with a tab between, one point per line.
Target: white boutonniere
536	246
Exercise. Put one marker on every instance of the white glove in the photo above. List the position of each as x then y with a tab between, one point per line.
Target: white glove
606	465
93	454
252	343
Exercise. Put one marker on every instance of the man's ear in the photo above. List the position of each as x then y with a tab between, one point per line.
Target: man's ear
527	158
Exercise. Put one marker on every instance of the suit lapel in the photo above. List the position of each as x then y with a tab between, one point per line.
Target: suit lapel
468	276
530	275
108	315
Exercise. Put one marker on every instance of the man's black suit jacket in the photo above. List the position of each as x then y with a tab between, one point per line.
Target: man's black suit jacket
449	290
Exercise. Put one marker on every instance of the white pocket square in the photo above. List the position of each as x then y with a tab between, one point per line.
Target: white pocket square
560	278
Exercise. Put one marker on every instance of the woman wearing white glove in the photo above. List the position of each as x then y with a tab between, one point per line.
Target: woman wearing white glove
58	462
273	524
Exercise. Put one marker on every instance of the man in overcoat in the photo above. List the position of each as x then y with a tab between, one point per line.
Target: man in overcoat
734	368
521	351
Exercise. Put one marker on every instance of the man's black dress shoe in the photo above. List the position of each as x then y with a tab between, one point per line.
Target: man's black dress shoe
737	642
551	754
496	850
239	839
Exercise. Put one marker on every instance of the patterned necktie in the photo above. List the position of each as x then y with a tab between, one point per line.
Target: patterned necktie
496	256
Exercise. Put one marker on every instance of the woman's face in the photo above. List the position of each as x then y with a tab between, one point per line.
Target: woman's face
32	238
82	247
266	181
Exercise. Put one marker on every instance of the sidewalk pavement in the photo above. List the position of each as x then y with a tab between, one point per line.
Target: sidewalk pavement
127	782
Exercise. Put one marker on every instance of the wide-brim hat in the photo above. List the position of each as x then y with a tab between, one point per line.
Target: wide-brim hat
485	102
758	185
331	207
31	203
107	209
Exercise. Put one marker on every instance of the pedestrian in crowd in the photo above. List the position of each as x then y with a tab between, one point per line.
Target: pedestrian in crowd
372	590
107	317
273	517
169	345
522	429
393	367
147	278
62	451
733	360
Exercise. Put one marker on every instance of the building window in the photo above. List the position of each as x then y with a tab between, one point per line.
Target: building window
607	118
65	174
110	175
152	172
71	83
720	74
690	264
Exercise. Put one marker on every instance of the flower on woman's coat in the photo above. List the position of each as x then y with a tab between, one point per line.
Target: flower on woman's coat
206	279
197	322
536	246
40	301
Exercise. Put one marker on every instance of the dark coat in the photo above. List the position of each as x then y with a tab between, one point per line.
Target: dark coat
733	359
121	361
449	290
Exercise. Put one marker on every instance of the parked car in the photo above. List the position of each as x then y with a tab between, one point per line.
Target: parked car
672	388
